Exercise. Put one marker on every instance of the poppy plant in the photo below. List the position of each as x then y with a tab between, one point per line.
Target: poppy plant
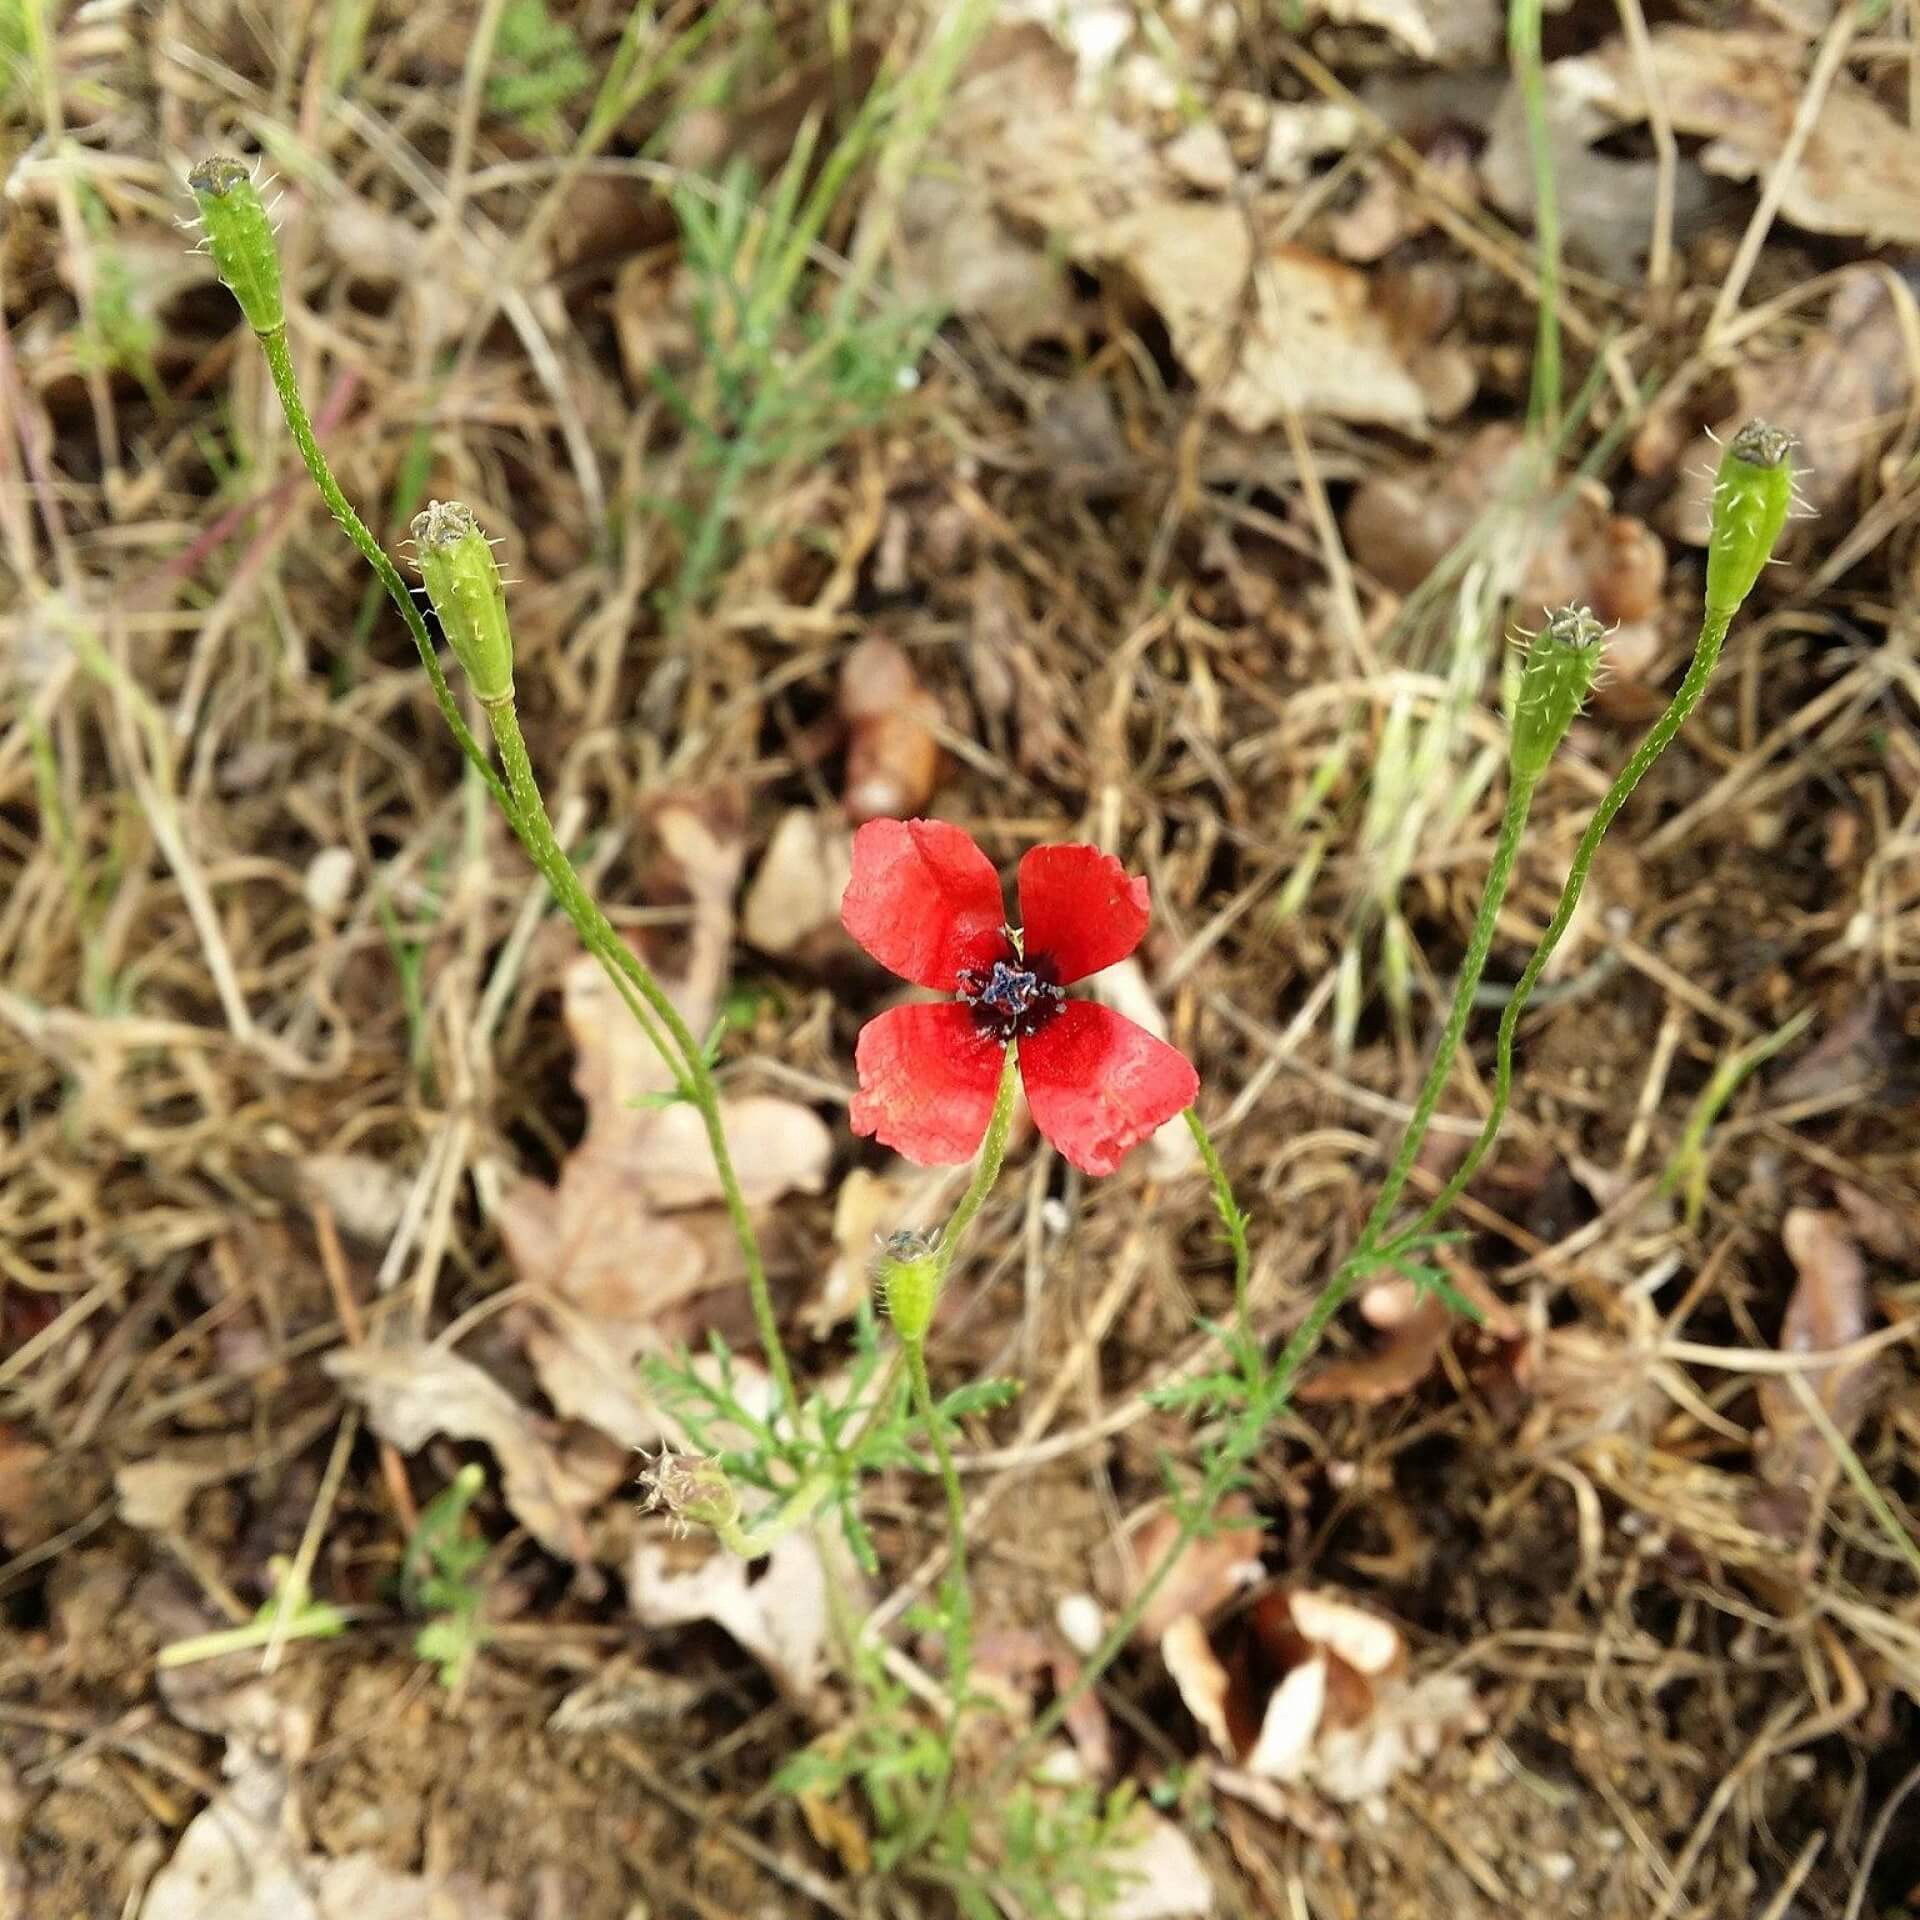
925	902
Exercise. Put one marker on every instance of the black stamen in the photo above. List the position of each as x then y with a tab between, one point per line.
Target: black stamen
1009	999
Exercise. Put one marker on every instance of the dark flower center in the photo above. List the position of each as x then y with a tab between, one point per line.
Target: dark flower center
1009	998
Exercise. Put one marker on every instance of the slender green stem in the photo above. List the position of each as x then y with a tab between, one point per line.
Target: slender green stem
1269	1392
959	1607
1706	657
1523	46
286	384
1479	943
986	1169
529	814
1231	1219
1246	1434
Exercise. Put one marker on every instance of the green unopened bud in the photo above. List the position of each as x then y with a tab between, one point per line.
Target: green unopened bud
464	585
908	1272
240	238
693	1490
1751	495
1561	663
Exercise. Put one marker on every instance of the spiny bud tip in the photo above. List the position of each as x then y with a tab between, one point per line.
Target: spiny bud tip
1558	675
240	238
1752	494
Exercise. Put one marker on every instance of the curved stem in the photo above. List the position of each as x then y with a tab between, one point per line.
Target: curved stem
986	1168
1269	1390
1231	1219
1479	943
286	384
1245	1436
1659	737
529	815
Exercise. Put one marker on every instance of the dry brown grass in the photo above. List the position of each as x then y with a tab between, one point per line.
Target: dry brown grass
1694	1707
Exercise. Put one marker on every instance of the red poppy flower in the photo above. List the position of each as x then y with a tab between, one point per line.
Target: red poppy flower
925	902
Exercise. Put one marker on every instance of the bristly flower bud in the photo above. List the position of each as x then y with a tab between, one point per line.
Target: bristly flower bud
693	1490
463	583
240	238
1751	495
908	1273
1561	663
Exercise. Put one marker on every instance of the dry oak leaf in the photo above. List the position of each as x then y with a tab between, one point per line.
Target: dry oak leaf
415	1391
1829	1307
775	1607
1310	1690
1259	335
1859	172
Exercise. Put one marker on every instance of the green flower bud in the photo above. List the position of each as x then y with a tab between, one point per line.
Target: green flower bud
240	238
464	585
1751	495
908	1272
1561	663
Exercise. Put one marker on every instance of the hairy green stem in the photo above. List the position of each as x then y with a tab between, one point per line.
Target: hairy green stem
286	384
529	815
1523	47
520	800
1479	943
1269	1393
1706	657
959	1607
1231	1219
914	1284
986	1168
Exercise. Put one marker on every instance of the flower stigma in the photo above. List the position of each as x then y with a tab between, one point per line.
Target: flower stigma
1009	999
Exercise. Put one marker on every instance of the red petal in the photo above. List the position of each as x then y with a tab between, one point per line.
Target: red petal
927	1080
924	901
1098	1084
1079	908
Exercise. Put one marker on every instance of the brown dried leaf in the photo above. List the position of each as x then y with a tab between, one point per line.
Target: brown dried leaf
21	1461
1400	526
1208	1573
1416	1329
1396	1366
893	758
776	1608
239	1860
1829	1307
414	1391
1291	329
797	890
599	1240
1859	171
